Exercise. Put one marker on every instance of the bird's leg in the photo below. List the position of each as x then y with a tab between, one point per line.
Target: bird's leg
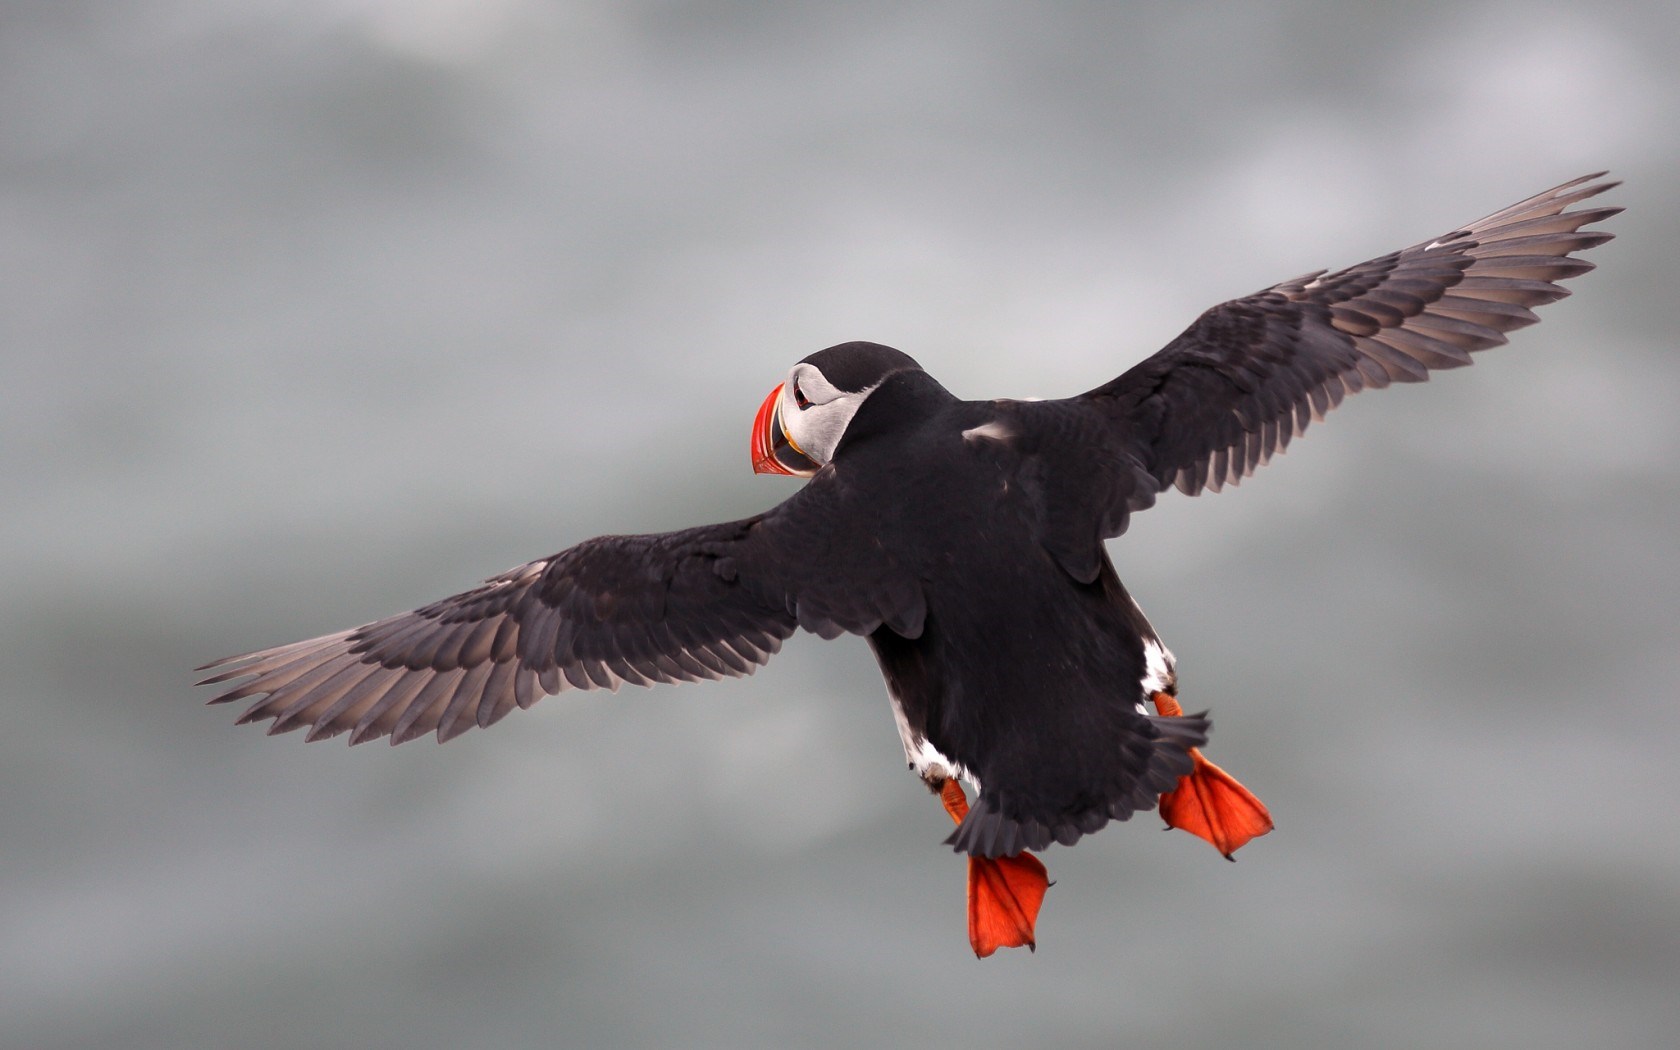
1004	893
1209	802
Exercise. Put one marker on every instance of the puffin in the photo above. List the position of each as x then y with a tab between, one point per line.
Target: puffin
964	541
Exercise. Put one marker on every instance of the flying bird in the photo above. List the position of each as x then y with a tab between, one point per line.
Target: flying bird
964	540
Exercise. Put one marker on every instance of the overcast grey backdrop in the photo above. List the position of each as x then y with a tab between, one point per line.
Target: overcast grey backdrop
315	310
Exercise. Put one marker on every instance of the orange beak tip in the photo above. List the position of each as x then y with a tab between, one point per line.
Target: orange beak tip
763	450
773	448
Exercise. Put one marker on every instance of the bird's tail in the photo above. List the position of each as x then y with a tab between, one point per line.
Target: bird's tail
1156	763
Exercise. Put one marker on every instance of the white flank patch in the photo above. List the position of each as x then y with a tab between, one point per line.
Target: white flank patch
997	430
1158	675
925	760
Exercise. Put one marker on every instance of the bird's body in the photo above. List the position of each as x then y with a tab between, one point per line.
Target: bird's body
965	541
1033	697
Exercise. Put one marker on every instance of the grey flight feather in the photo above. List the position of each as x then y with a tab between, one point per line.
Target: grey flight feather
709	602
1250	374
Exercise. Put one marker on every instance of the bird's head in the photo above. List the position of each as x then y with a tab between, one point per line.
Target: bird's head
802	421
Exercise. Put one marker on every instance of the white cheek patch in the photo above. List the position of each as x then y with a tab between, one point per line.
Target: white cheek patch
817	428
812	383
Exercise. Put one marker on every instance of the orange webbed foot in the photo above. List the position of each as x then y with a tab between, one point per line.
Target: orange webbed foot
1004	893
1209	802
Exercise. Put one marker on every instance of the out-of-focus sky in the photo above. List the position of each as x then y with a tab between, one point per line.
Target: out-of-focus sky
317	310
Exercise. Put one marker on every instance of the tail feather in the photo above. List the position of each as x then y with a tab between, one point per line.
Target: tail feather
988	832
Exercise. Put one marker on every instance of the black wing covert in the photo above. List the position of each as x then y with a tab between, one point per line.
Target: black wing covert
707	602
1252	373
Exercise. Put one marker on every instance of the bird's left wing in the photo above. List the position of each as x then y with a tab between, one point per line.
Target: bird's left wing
1252	373
706	602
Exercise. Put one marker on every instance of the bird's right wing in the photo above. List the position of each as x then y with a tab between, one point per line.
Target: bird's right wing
706	602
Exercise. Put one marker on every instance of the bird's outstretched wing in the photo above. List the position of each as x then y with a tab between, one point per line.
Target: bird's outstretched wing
706	602
1252	373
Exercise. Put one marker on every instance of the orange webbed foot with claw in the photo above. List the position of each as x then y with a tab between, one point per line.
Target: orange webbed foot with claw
1004	893
1209	802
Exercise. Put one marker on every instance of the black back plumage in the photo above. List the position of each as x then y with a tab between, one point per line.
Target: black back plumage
1023	675
963	538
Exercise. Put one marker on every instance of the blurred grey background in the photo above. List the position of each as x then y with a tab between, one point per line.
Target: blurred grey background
316	310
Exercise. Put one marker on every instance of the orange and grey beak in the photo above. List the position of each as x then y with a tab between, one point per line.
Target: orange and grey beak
773	452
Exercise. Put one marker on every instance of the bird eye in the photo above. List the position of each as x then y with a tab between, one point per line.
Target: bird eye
799	397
